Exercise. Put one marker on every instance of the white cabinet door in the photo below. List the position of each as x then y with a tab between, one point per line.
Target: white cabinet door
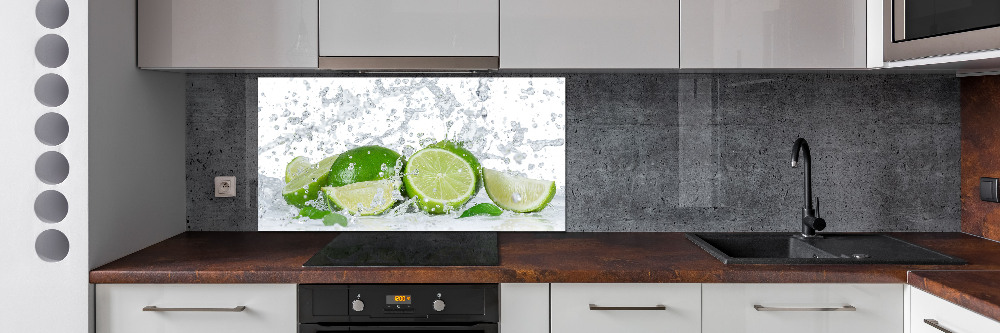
947	315
780	308
524	308
227	34
589	34
409	28
269	308
774	34
626	307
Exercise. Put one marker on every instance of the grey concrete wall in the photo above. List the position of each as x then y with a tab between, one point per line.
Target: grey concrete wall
683	152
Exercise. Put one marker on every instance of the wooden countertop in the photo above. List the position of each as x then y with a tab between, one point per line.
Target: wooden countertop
277	257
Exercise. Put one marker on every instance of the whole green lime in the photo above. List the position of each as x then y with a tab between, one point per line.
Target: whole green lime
364	164
442	177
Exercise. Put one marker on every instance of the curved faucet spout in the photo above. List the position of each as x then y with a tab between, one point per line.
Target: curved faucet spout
810	222
803	146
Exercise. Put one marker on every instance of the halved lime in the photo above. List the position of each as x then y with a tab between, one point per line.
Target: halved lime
441	178
362	198
364	164
518	194
304	186
295	167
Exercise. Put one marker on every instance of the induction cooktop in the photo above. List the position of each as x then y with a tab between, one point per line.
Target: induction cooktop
409	249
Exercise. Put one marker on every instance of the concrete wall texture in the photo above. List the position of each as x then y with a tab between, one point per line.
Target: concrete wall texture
682	152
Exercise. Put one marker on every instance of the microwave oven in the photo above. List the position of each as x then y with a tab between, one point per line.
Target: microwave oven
915	29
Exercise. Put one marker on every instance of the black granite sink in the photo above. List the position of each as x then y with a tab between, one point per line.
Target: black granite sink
786	248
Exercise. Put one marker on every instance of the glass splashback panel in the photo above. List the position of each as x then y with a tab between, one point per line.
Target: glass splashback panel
401	154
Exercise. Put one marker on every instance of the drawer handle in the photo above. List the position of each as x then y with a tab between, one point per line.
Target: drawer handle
935	324
234	309
630	308
759	307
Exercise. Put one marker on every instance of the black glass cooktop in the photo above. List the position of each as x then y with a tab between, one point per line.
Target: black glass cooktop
409	249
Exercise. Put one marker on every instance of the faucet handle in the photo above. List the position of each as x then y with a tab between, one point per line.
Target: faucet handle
817	206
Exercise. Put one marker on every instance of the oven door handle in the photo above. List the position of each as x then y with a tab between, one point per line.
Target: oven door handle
416	327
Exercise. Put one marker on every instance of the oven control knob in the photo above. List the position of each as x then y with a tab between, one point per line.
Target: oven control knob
438	305
358	305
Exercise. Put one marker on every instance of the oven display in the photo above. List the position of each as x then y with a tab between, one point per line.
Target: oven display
397	299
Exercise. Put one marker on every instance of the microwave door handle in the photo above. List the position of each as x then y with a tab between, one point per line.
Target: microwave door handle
898	19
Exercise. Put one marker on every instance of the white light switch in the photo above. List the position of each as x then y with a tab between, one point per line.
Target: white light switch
225	186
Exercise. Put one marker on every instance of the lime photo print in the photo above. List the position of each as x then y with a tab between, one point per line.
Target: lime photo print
411	154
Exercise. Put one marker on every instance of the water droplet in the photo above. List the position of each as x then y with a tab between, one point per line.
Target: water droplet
515	197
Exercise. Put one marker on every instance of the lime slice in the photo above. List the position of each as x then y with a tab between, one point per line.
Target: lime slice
362	198
304	186
482	209
440	179
518	194
295	167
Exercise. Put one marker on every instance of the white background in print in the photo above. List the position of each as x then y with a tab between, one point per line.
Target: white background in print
511	124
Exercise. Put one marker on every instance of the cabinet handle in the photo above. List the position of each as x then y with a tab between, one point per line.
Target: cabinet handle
935	324
616	308
759	307
233	309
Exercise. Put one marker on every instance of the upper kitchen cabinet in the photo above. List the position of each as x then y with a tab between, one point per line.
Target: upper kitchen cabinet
780	34
220	34
580	34
409	34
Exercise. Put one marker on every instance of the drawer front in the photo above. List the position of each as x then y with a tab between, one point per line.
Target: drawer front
269	308
949	316
729	308
572	311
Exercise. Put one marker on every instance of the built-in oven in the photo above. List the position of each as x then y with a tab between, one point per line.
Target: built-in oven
465	308
927	28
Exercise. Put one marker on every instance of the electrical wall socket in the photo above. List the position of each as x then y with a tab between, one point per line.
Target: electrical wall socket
225	186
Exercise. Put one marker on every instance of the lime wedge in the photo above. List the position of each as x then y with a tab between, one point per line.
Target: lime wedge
295	167
441	179
304	186
518	194
482	209
362	198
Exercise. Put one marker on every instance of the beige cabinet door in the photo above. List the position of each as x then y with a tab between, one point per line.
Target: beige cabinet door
930	314
802	308
221	34
581	34
196	308
775	34
626	307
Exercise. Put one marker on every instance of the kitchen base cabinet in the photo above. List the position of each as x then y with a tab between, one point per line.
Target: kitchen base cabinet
930	314
626	307
196	308
524	308
802	308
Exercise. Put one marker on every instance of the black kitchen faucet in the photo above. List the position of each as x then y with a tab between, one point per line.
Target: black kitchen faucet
810	222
